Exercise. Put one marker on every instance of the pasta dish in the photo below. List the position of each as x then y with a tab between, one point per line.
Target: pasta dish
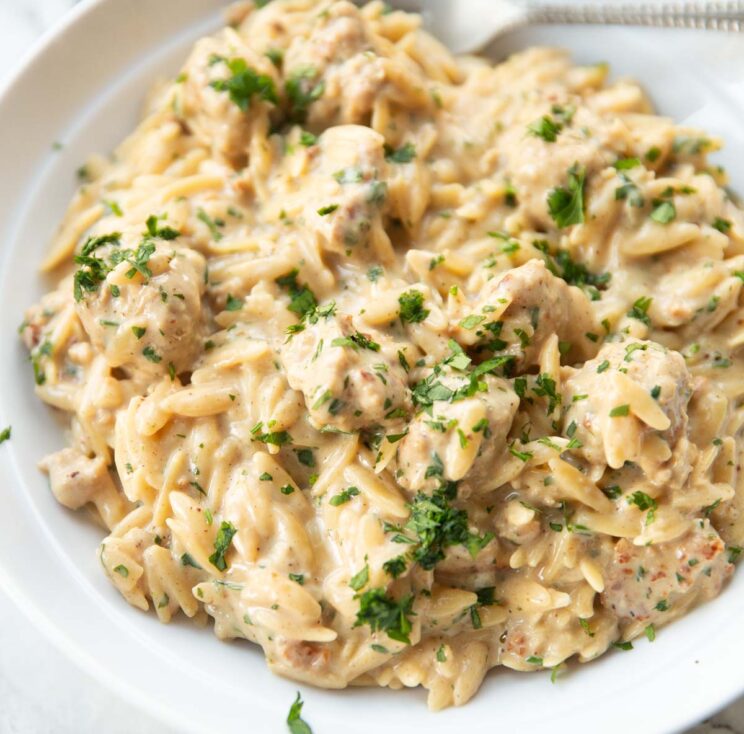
400	365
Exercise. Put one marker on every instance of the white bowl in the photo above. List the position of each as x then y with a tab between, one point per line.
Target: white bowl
83	87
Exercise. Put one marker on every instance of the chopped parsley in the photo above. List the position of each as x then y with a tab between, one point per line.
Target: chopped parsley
301	299
222	542
325	210
155	231
306	457
640	308
412	309
395	566
664	211
295	722
585	626
245	83
94	270
431	389
438	525
643	502
232	303
546	388
138	259
652	154
470	322
5	434
546	128
629	192
273	438
375	273
359	580
385	614
625	164
356	341
575	273
113	207
566	204
302	90
213	225
343	496
524	456
274	55
188	560
404	154
43	350
352	174
685	145
151	355
613	491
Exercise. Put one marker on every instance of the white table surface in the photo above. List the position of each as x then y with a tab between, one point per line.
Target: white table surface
41	691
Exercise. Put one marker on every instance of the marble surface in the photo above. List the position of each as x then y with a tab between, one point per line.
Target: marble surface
41	691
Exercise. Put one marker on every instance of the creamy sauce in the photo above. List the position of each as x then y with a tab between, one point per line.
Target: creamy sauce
400	365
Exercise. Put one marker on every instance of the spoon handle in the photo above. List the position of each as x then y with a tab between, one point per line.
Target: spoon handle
721	16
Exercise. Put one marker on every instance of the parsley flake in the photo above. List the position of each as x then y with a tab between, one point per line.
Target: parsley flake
546	128
566	204
412	309
302	90
295	722
343	496
404	154
385	614
640	308
664	211
222	542
245	83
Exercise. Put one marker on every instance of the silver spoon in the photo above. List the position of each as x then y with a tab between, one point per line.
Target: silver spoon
466	26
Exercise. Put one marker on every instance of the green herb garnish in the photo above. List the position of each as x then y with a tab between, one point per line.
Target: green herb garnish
412	309
566	204
302	90
640	308
385	614
245	83
546	128
295	722
404	154
343	496
222	542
